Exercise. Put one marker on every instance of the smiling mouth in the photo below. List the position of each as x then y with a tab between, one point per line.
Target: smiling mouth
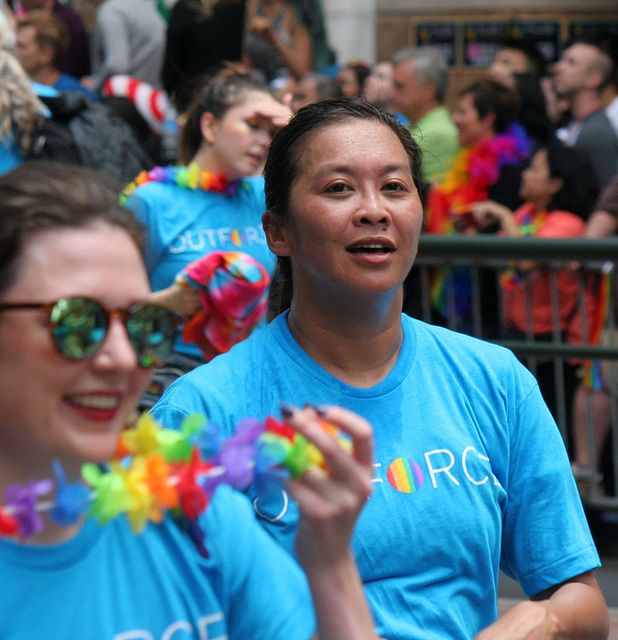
95	402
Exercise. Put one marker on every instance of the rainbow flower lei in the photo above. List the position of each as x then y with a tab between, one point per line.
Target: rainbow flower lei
189	177
473	172
156	469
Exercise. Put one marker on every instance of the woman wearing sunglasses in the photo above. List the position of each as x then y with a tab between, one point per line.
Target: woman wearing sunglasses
77	346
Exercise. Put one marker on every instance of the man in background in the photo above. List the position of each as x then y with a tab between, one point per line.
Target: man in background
580	77
379	89
76	60
314	87
420	80
42	40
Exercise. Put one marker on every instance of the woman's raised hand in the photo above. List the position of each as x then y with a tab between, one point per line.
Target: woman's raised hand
331	498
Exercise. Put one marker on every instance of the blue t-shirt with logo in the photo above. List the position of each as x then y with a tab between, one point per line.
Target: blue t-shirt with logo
471	473
184	224
109	584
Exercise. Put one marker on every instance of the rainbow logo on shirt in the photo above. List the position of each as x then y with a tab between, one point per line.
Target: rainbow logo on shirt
236	238
405	475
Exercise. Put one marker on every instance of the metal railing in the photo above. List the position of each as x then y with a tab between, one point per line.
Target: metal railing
587	261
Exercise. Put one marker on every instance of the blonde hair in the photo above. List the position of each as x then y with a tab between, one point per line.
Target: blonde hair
20	109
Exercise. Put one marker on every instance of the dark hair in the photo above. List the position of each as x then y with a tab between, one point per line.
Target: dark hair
533	107
537	65
283	166
579	190
492	97
221	91
361	71
41	195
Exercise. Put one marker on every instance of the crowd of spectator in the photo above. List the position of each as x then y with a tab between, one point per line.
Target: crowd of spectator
182	105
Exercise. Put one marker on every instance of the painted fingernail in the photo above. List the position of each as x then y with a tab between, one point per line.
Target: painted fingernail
320	410
287	410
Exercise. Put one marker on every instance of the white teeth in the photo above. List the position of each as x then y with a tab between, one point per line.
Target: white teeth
370	247
96	402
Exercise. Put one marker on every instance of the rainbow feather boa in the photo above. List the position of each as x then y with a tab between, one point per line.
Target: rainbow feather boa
156	469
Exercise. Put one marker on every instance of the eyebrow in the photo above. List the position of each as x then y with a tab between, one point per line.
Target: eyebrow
351	170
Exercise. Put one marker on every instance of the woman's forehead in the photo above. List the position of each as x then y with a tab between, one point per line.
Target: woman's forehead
352	138
98	259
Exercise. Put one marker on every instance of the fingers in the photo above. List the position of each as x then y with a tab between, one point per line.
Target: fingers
187	300
343	485
311	423
330	499
276	113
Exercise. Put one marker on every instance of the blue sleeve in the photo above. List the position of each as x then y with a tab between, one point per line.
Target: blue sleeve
546	539
143	210
180	400
266	591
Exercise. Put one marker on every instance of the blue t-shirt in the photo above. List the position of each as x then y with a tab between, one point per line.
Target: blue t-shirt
471	473
66	82
182	225
10	156
110	584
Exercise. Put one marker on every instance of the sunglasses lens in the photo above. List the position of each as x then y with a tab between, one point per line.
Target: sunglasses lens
79	326
151	332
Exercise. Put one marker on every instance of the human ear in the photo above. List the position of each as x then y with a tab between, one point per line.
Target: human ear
276	235
208	127
555	185
428	89
489	121
47	54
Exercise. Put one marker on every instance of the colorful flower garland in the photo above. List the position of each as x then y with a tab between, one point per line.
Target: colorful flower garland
473	172
156	469
189	177
468	181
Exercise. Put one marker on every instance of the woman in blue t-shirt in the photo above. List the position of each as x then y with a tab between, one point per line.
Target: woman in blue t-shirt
212	202
471	474
78	340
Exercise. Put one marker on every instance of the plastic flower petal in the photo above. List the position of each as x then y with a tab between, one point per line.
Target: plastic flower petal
164	494
72	499
279	428
178	445
9	525
23	502
298	458
193	498
140	497
111	497
269	471
143	438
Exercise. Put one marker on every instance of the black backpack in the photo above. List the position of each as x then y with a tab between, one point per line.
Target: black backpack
82	131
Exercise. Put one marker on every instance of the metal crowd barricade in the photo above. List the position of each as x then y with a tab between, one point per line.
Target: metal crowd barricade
589	259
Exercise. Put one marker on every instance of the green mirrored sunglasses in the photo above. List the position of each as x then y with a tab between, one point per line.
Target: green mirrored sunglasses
78	327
